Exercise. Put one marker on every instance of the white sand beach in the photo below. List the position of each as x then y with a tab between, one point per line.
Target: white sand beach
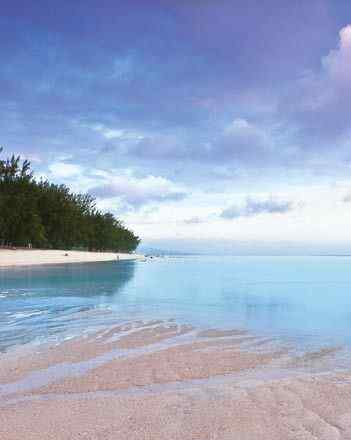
20	257
159	380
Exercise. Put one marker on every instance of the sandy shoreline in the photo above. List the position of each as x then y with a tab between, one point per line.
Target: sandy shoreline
159	380
13	258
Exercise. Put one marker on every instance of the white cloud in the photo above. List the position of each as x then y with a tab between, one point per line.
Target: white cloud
115	187
63	170
138	191
108	133
116	133
338	63
254	207
320	103
239	126
242	141
194	221
112	134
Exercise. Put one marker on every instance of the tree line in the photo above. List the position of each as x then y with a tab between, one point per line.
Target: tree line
41	214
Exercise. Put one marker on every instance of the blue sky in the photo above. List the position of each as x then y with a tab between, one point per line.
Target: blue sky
190	120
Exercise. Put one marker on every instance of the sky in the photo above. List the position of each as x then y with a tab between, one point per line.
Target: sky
198	123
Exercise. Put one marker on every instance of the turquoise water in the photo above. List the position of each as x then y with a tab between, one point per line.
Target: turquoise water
302	299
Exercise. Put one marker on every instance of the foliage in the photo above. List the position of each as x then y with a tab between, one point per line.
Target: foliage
51	216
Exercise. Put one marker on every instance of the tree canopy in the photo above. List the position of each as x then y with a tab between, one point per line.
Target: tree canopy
48	215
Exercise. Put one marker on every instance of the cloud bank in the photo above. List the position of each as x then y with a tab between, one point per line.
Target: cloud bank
175	109
253	207
137	192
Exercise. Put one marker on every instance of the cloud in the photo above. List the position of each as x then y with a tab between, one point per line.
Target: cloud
136	192
241	141
253	207
159	146
320	103
64	170
347	198
120	185
111	134
338	63
156	80
194	221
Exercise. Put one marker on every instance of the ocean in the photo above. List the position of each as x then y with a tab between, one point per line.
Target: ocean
304	301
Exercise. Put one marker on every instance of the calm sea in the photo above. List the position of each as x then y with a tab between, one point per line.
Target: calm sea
302	299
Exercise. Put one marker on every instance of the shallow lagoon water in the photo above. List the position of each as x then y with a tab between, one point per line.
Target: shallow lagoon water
295	299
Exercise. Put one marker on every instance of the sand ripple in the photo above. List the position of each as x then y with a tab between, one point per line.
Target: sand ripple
160	380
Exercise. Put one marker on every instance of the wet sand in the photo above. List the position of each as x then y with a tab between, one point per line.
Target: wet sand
31	257
160	380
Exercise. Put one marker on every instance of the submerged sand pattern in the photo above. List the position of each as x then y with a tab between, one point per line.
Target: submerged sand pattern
161	380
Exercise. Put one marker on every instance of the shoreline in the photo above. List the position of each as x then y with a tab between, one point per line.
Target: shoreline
153	380
36	257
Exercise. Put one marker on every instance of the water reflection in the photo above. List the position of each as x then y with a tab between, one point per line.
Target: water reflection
71	279
305	298
38	302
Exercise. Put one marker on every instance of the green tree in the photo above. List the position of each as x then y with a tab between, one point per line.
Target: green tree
50	215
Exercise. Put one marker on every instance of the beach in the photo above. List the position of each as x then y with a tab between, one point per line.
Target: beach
199	348
160	380
20	257
212	137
